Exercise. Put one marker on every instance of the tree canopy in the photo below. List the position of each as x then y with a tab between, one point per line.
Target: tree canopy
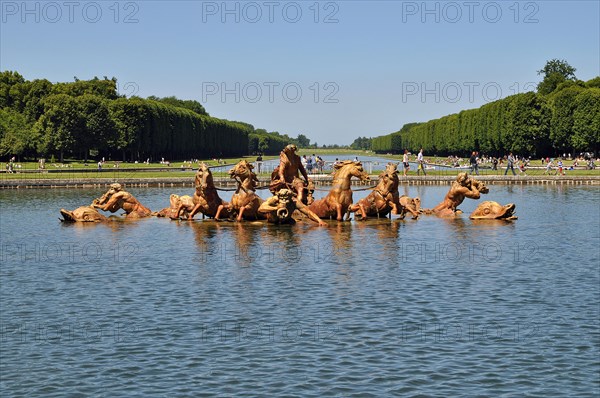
40	118
555	72
563	116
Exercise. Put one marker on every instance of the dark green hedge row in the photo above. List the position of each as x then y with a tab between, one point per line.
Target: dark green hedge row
38	118
267	144
567	120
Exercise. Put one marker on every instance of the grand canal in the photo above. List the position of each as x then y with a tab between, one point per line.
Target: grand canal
385	307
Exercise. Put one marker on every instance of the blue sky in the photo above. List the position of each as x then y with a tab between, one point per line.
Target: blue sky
332	70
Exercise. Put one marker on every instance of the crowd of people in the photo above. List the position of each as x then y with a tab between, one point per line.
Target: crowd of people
313	164
512	163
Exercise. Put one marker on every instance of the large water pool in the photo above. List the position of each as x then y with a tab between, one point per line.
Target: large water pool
406	308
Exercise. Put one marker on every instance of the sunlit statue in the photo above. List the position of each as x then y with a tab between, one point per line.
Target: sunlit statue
385	198
287	174
339	198
463	187
244	202
82	214
410	205
278	209
381	201
309	191
179	206
116	198
490	210
206	198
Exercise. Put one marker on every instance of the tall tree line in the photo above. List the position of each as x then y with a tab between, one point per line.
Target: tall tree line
563	116
39	118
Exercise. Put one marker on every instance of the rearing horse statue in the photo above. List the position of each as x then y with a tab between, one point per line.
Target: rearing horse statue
206	198
245	202
385	198
339	198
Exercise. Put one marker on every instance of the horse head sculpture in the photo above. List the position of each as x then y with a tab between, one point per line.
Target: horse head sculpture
206	198
245	202
339	198
384	197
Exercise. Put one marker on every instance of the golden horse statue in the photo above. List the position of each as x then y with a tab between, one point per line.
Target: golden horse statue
245	202
385	198
403	203
206	198
179	206
382	200
339	198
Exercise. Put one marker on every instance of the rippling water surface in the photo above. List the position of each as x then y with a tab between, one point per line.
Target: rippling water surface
406	308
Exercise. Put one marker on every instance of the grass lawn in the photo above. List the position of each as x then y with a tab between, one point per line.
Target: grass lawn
73	169
327	151
76	169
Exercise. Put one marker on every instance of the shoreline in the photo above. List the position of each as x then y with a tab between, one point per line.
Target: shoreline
319	179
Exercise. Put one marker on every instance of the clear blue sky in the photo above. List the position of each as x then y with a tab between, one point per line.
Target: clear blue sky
364	68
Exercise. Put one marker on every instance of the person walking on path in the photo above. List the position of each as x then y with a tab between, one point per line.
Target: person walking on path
309	164
548	168
560	168
473	161
405	162
510	161
421	161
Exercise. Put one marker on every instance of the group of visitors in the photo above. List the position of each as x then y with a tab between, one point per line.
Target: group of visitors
313	164
559	168
475	161
421	162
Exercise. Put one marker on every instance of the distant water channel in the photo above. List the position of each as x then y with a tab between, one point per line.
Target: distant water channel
371	164
382	308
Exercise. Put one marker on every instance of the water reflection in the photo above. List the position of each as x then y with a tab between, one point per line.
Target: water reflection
457	227
285	244
256	307
340	235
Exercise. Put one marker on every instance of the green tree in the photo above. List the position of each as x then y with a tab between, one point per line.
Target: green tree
362	143
106	88
555	72
563	105
191	105
303	141
263	144
529	125
595	82
15	133
8	79
586	121
98	129
33	101
130	118
59	126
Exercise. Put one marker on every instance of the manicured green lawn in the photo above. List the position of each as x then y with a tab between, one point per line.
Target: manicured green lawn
327	151
77	169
